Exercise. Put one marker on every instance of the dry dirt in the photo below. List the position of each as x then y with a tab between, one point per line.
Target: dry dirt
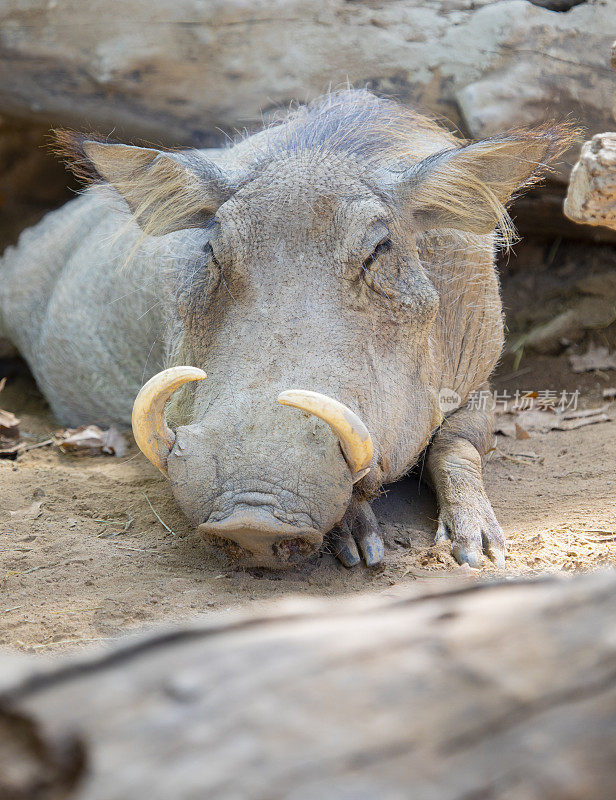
84	558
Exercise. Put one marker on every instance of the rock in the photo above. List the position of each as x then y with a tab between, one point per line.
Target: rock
595	312
31	182
601	284
591	197
7	350
539	212
548	338
178	72
596	357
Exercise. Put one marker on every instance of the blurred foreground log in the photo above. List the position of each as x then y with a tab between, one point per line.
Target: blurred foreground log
501	690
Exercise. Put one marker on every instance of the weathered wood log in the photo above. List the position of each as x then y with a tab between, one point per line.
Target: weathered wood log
179	72
495	690
591	197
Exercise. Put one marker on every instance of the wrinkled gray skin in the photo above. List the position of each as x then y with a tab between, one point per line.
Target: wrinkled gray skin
275	288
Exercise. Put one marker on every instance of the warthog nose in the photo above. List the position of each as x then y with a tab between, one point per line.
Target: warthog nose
256	537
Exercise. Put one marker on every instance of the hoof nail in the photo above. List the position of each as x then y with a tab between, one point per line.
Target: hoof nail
465	555
347	558
498	557
373	549
347	554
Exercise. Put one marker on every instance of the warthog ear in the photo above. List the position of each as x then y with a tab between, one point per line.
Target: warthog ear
467	188
166	191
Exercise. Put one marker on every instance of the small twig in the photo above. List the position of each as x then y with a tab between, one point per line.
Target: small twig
603	540
27	447
525	460
21	549
519	352
14	608
69	641
164	524
598	530
125	526
553	251
512	375
126	547
34	569
77	610
604	537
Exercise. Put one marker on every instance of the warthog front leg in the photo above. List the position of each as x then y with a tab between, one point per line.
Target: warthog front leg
454	466
358	529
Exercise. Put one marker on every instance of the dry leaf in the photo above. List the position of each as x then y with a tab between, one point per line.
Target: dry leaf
115	443
9	425
520	433
30	512
593	358
92	440
88	439
9	448
9	431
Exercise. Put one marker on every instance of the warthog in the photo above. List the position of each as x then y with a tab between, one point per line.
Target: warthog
341	261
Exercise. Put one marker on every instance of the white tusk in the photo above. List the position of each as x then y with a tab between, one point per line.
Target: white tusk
354	437
150	429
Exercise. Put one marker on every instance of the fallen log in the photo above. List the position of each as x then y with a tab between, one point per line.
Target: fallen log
179	72
485	690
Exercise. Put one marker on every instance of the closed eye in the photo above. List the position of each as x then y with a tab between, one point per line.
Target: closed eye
382	247
209	252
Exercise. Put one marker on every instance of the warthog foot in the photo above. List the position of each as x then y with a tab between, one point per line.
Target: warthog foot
358	529
473	529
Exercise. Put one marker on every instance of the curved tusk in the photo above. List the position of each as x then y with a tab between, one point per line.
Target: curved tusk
150	429
354	437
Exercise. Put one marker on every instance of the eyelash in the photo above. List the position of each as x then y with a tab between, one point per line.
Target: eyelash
382	247
209	252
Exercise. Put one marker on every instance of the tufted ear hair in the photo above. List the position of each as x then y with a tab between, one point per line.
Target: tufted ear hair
467	188
166	191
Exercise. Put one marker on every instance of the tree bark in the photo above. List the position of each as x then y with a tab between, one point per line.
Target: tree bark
493	690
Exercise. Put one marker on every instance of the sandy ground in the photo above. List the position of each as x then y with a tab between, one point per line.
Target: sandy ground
84	558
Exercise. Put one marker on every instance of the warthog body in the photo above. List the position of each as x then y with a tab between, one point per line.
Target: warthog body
346	250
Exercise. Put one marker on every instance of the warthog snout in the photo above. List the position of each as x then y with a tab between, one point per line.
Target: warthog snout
255	535
246	526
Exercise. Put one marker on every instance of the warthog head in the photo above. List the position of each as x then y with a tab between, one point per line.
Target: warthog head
308	306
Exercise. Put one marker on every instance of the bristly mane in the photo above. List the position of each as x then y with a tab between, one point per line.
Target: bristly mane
358	123
378	134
